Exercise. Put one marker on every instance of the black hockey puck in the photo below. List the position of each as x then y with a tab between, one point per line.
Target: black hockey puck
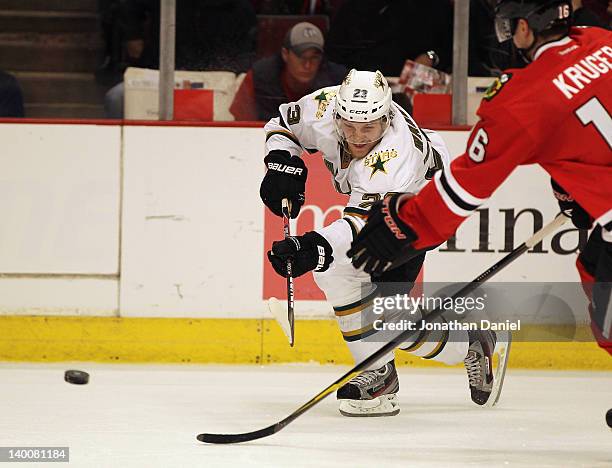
76	377
609	418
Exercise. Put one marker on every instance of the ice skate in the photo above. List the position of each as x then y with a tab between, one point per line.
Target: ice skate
371	393
486	363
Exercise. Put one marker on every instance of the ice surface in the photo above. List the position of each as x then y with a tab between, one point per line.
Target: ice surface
148	416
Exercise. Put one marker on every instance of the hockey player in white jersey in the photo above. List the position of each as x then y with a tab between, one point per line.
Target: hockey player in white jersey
372	148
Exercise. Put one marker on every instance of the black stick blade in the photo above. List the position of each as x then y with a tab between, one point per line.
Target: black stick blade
236	438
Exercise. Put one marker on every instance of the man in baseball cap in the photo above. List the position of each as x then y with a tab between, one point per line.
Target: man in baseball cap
303	52
299	69
304	36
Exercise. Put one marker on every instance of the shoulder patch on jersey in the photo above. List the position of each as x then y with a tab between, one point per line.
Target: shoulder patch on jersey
323	98
497	86
294	114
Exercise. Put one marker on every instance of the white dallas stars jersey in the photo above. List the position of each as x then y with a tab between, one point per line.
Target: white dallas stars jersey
403	161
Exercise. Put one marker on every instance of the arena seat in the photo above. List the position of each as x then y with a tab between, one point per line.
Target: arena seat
193	100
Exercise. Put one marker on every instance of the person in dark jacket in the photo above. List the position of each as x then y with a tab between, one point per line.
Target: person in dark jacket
299	69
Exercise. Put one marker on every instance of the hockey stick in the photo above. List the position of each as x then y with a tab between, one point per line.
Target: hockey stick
285	317
404	336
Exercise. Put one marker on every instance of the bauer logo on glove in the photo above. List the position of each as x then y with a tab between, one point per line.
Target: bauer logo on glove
284	168
310	252
285	178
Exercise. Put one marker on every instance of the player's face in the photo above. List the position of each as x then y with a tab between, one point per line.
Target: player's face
303	68
361	137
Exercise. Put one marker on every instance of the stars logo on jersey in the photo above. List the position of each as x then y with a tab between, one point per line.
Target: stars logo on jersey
497	86
376	162
324	99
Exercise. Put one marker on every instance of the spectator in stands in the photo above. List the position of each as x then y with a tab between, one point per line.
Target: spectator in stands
382	34
210	35
300	68
11	98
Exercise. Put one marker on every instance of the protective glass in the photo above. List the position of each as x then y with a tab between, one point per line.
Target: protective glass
361	133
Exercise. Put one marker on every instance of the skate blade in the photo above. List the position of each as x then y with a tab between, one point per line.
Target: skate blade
501	353
385	405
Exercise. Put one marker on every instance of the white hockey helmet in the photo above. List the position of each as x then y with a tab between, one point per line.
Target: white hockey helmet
363	96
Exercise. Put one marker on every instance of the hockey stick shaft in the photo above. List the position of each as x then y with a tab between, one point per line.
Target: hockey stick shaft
391	345
286	205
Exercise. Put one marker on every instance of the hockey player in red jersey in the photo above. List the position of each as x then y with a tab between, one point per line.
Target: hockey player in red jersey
555	113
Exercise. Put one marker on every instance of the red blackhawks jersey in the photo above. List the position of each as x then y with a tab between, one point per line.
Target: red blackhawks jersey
555	113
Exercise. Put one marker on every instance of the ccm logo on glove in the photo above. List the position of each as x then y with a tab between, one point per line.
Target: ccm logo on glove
284	168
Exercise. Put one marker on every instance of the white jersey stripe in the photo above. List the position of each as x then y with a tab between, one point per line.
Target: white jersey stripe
460	191
448	200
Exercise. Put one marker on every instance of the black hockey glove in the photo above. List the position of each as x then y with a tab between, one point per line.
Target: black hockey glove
308	252
285	178
580	218
385	241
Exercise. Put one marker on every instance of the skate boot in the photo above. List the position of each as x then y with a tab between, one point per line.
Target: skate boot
486	363
371	393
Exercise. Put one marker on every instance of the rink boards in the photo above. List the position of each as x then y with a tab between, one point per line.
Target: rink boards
144	243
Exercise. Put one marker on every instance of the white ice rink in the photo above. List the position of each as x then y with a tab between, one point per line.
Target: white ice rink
148	416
